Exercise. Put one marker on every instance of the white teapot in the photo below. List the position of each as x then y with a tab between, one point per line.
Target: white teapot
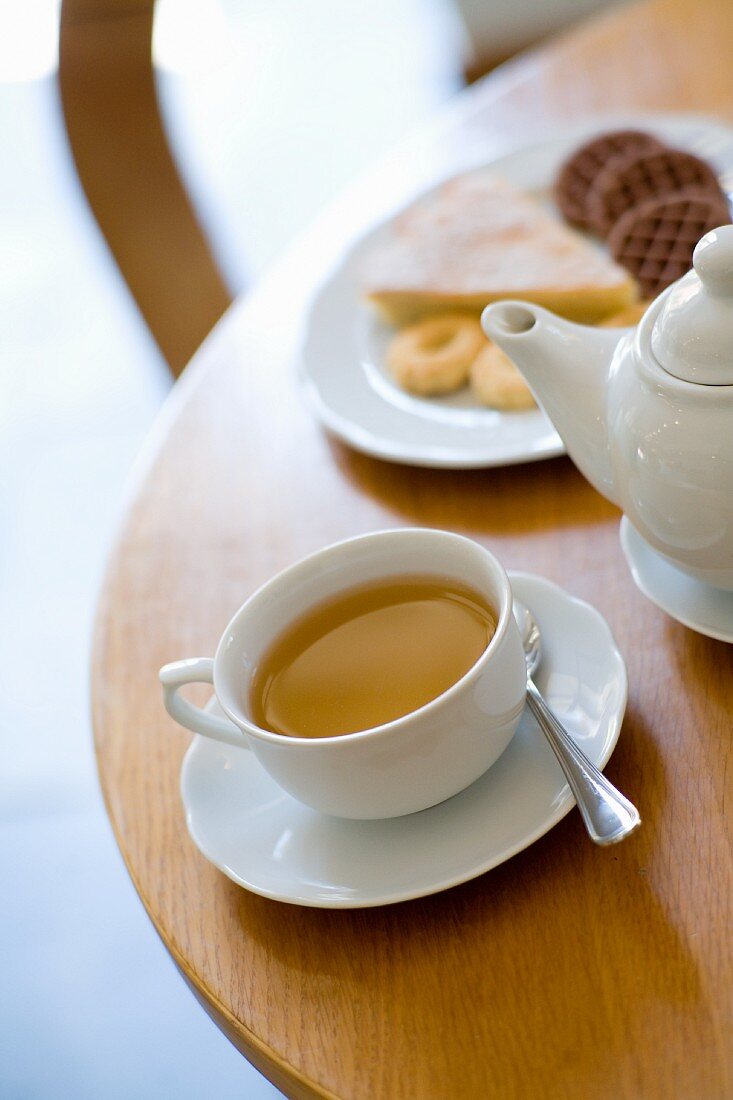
647	413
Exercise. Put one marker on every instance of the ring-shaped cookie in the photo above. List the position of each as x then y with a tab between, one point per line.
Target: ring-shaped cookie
434	356
496	382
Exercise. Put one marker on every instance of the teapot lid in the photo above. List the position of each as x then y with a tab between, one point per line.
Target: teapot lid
692	337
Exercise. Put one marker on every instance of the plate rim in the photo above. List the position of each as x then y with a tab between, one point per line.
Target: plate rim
395	897
429	457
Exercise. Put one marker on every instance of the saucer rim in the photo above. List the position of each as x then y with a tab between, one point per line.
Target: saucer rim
627	537
395	897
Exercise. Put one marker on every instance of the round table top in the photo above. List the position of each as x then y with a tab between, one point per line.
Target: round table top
569	971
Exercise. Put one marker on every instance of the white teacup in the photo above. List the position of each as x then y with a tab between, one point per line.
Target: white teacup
393	769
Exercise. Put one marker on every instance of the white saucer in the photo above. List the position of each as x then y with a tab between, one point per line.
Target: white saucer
342	358
702	607
269	843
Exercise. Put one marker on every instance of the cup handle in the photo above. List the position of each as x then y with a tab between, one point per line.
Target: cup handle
196	670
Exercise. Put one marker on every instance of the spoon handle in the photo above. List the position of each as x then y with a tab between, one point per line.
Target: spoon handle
608	815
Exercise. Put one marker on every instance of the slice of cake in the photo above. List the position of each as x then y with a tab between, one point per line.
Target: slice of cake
477	239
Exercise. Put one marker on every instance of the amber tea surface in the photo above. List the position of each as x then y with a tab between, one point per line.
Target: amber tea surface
370	655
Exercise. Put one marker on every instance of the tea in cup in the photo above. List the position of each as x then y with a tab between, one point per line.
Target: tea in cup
374	678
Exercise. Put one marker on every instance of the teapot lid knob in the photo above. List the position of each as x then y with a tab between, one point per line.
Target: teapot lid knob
692	337
713	261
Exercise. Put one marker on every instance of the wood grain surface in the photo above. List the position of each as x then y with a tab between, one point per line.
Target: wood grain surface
570	971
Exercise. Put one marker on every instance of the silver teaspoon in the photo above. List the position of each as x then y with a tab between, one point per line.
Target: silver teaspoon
607	814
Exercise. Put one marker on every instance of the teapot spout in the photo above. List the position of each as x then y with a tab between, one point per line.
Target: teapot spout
567	368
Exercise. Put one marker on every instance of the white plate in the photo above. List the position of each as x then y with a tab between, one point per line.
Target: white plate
702	607
269	843
342	358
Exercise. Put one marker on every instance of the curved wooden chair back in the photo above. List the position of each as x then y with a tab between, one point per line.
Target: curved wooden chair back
128	173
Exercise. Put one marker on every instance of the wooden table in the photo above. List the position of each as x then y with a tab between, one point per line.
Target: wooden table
570	971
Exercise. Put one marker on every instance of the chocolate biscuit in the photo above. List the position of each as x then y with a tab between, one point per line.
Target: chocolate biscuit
655	240
580	170
632	179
